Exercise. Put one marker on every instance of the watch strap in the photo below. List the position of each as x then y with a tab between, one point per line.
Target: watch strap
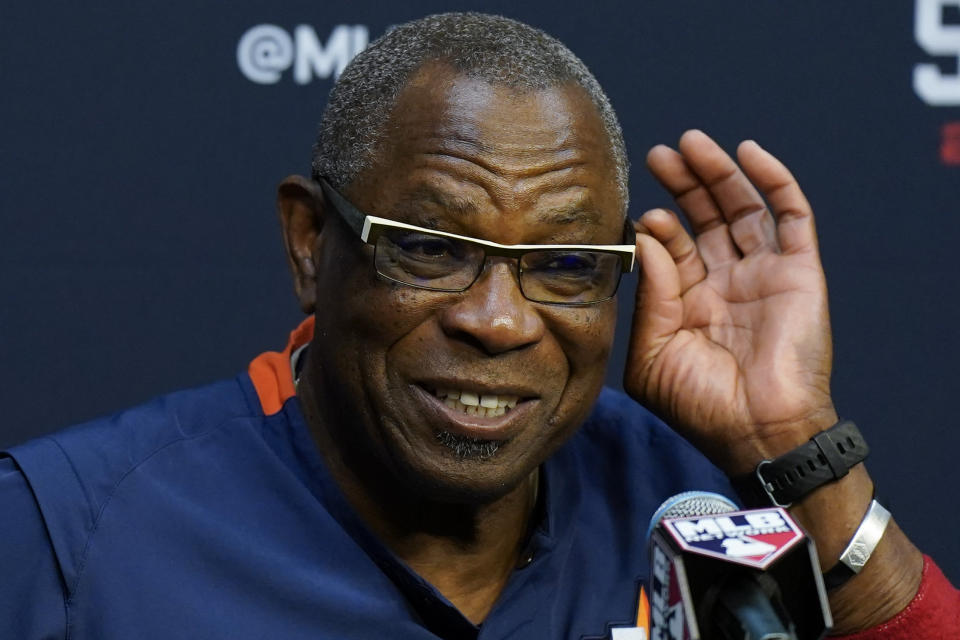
826	457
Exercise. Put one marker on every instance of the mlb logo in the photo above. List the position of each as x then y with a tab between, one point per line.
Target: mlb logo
692	555
754	538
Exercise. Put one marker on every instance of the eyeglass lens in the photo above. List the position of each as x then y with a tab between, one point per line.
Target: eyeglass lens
447	264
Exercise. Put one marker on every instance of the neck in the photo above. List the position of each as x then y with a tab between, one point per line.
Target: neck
466	550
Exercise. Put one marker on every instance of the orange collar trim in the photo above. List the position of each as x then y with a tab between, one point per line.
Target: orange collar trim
271	374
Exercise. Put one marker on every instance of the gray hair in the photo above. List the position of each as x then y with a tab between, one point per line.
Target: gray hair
493	48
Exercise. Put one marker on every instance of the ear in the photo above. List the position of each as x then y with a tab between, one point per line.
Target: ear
302	210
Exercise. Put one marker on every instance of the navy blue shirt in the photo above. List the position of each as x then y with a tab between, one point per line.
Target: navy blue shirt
203	515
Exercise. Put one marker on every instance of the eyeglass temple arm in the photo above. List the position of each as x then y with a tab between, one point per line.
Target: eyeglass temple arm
350	214
629	231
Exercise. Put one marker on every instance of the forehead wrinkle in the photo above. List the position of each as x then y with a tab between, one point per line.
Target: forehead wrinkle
525	179
518	160
503	193
444	200
560	214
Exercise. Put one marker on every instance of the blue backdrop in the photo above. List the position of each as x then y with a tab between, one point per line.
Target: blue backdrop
142	143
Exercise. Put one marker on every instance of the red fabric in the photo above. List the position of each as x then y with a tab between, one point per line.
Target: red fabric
933	614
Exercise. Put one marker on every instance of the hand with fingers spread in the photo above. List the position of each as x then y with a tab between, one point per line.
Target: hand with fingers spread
731	336
731	346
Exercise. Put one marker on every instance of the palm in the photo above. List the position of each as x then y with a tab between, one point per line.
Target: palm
731	340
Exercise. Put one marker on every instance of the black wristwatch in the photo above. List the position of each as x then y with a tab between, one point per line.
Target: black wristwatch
828	456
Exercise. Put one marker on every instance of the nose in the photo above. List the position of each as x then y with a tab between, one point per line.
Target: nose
493	314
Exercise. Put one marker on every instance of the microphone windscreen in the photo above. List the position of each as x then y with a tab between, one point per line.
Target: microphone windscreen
691	503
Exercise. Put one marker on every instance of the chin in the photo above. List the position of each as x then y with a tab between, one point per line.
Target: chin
468	472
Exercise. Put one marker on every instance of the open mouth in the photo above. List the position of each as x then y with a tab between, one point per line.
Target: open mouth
475	404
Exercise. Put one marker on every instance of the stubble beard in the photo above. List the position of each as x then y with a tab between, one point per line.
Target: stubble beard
465	448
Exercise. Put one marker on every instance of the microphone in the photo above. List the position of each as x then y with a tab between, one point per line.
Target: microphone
718	573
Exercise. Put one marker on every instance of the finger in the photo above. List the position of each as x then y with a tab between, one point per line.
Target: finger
669	168
717	248
741	205
663	225
713	238
796	231
658	312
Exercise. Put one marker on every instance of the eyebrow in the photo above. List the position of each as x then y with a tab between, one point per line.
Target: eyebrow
561	214
445	201
567	214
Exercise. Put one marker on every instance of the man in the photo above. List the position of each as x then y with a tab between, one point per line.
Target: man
429	457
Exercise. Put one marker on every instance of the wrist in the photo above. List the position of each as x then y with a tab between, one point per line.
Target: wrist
826	457
887	584
860	548
888	581
831	513
772	440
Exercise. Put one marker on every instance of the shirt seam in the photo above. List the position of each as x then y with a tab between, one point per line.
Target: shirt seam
75	588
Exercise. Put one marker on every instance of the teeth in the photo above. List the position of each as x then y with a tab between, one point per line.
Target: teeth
474	404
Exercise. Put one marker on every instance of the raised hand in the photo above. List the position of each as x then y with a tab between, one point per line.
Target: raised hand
731	346
731	335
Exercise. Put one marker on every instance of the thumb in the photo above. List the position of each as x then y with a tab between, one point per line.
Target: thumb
657	314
